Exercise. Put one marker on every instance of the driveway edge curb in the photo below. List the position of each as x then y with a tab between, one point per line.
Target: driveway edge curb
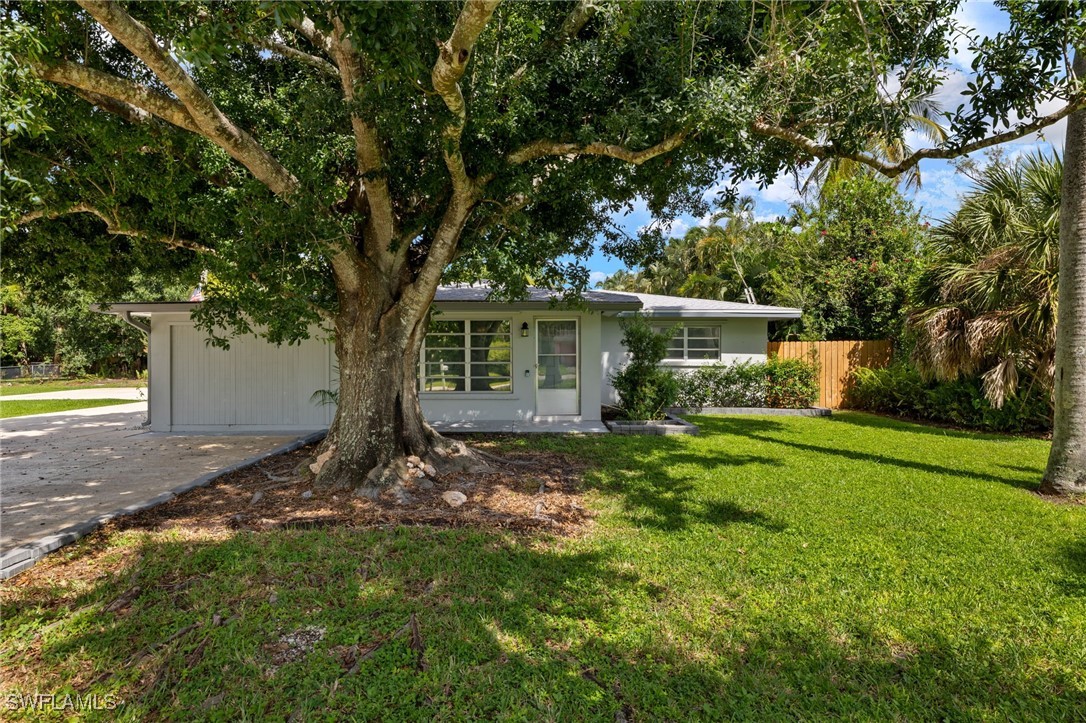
26	556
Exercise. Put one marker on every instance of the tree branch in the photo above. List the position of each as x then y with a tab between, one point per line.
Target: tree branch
893	170
543	148
452	60
138	99
310	32
287	51
381	223
113	226
212	122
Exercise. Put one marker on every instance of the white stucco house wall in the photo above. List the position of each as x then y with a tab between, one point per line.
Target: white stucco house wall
482	360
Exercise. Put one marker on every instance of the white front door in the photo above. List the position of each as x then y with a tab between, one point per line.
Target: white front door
557	376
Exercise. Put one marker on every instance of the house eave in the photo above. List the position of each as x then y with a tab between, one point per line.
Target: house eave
454	306
781	313
145	308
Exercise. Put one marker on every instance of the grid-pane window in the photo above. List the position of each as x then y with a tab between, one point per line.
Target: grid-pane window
461	356
693	342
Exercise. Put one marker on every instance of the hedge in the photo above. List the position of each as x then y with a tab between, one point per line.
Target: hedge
778	383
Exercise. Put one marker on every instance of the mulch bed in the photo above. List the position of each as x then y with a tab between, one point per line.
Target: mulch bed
526	492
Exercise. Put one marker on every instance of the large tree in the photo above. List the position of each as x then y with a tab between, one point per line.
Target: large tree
329	163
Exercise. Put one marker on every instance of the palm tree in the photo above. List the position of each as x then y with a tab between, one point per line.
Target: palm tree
885	146
988	303
729	262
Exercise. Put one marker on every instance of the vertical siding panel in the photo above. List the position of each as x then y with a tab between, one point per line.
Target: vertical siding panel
202	379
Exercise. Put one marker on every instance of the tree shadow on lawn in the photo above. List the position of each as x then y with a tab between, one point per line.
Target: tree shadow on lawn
508	627
908	426
656	492
1073	558
776	433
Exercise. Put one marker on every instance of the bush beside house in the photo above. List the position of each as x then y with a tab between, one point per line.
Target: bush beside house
776	383
900	390
644	389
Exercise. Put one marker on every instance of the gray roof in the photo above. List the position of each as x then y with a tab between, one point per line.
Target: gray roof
478	297
658	305
463	293
625	302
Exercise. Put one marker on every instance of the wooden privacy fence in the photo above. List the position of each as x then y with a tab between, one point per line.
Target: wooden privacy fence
836	360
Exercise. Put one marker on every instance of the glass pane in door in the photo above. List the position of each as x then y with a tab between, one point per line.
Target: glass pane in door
557	359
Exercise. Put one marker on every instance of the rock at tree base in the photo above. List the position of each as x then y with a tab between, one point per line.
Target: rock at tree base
454	498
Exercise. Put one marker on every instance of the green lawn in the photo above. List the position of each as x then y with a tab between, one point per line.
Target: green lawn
23	407
12	387
771	568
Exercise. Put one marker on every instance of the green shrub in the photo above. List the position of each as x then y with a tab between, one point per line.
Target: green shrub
791	383
900	390
723	385
781	383
644	389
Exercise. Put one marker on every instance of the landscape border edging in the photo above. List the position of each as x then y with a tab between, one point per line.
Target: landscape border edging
769	411
653	427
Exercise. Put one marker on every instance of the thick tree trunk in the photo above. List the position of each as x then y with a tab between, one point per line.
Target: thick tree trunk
378	419
1066	473
379	422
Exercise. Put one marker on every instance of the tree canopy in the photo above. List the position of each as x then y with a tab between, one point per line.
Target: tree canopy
331	163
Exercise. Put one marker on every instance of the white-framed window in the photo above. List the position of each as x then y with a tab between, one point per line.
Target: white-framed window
461	355
692	342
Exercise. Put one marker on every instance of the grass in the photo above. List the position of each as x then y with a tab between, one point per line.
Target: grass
772	568
23	407
12	387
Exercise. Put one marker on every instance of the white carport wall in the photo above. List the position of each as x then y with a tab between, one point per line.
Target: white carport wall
253	386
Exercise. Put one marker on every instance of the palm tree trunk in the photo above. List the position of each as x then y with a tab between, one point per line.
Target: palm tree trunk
1066	473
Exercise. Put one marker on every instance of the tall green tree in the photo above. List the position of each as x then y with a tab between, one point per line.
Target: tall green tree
1066	470
852	261
729	261
987	302
329	164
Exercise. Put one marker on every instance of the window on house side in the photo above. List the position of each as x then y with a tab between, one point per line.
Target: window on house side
467	356
693	342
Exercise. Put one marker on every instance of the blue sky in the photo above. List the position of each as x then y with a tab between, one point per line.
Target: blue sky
941	186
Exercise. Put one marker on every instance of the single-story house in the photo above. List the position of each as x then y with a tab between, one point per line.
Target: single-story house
482	360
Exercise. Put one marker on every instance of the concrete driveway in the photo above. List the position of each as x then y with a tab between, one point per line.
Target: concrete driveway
62	469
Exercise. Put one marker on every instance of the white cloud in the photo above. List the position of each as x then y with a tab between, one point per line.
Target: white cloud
670	229
597	277
940	192
980	19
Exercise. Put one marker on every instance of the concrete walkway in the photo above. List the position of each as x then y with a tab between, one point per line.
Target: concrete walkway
519	426
133	393
65	468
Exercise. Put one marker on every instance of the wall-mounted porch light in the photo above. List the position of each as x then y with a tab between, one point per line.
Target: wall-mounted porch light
524	329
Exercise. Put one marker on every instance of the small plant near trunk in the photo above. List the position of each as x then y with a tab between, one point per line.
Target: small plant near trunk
644	389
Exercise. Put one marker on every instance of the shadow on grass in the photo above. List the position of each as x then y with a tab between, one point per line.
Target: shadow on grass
1073	558
771	432
659	487
908	426
507	629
